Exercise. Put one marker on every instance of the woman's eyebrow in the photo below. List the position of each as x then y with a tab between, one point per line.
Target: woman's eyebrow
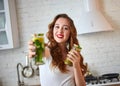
56	24
64	25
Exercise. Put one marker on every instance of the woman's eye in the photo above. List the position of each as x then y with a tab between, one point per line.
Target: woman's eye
66	28
56	27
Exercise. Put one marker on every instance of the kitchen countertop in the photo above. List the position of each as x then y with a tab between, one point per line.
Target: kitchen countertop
106	84
31	85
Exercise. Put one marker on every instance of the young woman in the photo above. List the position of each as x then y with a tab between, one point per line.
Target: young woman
62	36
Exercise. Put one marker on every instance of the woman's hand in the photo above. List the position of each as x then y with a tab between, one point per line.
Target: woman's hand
32	49
74	57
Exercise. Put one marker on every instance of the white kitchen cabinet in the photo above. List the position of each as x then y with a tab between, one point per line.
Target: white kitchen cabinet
8	25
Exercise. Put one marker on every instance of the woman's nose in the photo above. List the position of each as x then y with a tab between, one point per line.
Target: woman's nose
61	29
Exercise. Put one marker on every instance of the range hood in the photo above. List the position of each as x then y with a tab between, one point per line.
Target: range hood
91	19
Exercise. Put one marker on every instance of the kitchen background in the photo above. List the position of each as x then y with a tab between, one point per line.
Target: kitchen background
101	50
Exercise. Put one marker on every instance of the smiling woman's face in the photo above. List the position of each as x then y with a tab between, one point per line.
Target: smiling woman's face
61	31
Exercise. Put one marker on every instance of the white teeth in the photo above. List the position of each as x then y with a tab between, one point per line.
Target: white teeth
60	36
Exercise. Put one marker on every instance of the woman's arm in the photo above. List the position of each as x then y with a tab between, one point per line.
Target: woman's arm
79	78
47	52
75	58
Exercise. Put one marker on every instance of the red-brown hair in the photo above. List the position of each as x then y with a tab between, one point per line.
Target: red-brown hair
55	51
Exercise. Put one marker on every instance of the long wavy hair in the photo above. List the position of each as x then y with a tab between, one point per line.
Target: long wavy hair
55	50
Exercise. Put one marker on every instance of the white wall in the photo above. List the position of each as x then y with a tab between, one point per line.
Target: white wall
100	50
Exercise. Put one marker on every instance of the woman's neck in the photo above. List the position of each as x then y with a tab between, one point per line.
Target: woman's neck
64	50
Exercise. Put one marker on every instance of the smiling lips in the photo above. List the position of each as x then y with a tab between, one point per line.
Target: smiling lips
60	35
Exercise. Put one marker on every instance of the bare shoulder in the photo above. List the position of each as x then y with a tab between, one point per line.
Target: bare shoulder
47	52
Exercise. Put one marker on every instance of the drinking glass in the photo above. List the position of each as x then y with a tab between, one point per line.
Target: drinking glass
38	41
75	47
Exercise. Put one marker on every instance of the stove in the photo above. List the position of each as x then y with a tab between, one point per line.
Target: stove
105	79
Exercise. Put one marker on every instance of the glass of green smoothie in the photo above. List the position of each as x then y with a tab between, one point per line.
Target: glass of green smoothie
38	41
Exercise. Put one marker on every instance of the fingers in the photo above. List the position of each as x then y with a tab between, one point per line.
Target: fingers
32	49
31	54
30	42
74	56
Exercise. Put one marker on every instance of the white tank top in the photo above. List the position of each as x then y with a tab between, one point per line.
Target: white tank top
53	77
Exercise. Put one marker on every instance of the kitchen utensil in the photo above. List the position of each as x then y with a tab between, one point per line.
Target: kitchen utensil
28	71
